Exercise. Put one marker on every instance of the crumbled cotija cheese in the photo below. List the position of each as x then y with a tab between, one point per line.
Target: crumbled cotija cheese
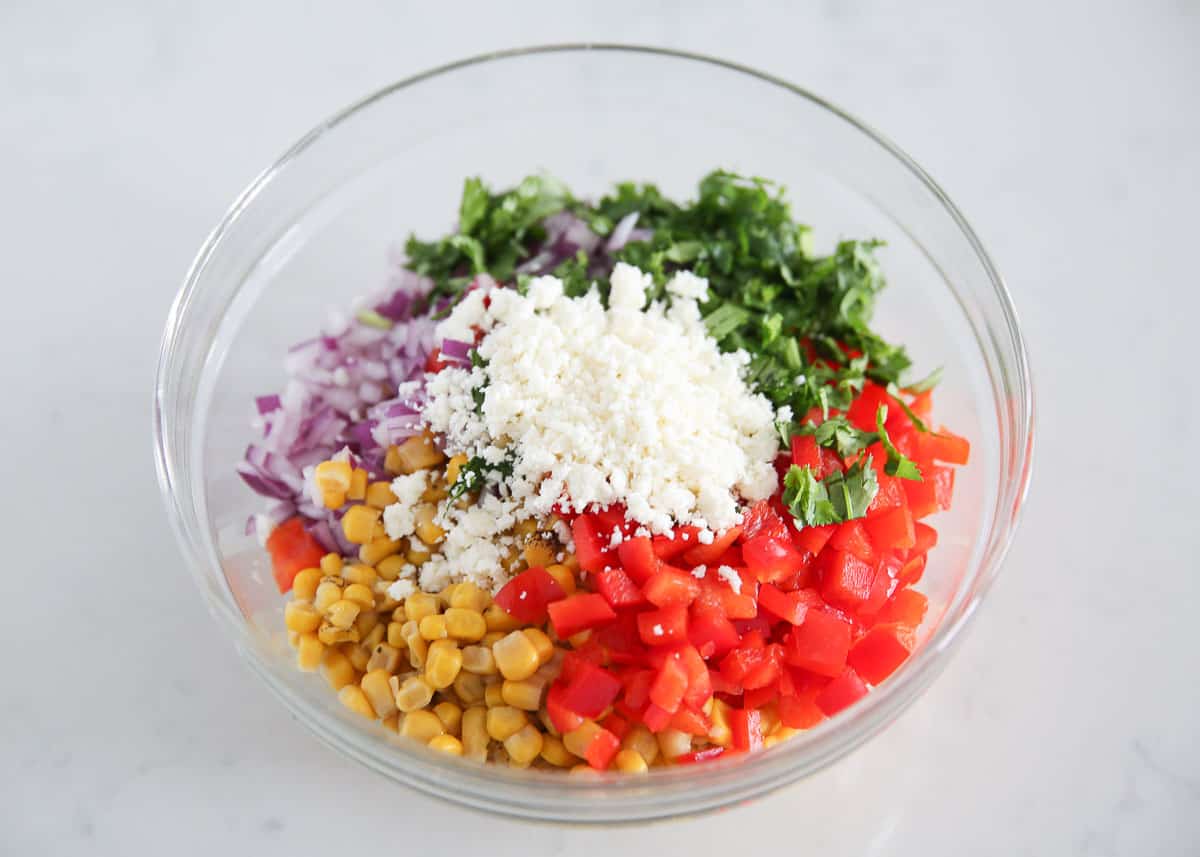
629	404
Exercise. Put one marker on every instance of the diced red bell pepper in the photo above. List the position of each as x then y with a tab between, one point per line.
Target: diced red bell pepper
636	554
752	667
665	626
703	554
637	689
924	538
852	537
722	685
601	748
840	693
863	409
616	724
746	726
591	690
820	644
670	586
890	495
906	607
683	537
690	720
590	548
762	519
880	651
845	579
814	539
710	631
799	712
527	596
561	716
292	549
434	362
579	612
772	559
621	640
656	717
699	685
791	607
716	594
922	404
882	586
943	446
618	589
806	453
757	697
931	495
704	755
891	530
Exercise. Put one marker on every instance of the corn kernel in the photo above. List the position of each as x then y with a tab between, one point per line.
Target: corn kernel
504	721
417	555
446	744
450	715
366	622
331	635
304	584
379	550
358	484
719	732
417	453
498	620
434	494
630	762
433	627
391	460
523	746
384	657
475	736
421	725
341	614
538	552
370	640
564	576
392	722
584	770
555	753
492	637
390	567
358	524
331	564
338	670
301	616
309	652
360	595
443	663
464	624
547	723
453	466
379	495
526	695
542	644
418	649
359	572
379	692
674	743
333	479
578	740
328	592
395	636
353	698
413	694
468	596
426	527
642	741
469	688
419	605
516	656
479	660
493	693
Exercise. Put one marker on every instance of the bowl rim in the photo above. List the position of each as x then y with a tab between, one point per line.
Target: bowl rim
755	776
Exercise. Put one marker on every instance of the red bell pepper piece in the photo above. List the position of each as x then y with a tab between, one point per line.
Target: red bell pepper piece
671	586
618	589
669	686
656	717
716	593
637	557
620	640
791	607
746	726
906	607
806	453
590	690
601	748
799	712
703	554
665	626
616	724
527	596
292	549
682	538
890	495
579	612
924	538
880	651
710	631
852	538
561	716
690	720
820	644
590	548
845	579
771	558
814	539
933	493
840	693
757	697
943	446
882	586
891	530
695	756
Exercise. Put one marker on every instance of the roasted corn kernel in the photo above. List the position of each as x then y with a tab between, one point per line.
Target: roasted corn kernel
424	726
413	694
464	624
523	746
304	584
358	524
516	656
353	698
450	715
446	744
443	663
475	737
504	721
630	762
301	616
375	685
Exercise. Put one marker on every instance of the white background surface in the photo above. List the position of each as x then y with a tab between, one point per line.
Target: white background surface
1068	133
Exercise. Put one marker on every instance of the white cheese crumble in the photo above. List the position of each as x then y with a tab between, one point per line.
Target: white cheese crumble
594	406
731	577
398	518
699	571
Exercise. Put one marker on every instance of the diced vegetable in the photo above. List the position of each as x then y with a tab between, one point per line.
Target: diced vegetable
292	550
527	595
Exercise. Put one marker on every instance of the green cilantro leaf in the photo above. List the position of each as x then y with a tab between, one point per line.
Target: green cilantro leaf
898	464
839	434
927	383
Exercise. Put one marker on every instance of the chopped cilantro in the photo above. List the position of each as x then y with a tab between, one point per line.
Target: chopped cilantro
898	464
840	496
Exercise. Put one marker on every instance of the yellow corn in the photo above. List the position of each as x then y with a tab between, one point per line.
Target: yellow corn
542	644
674	743
446	744
333	479
434	493
443	663
358	484
571	562
395	636
338	670
492	637
357	655
422	725
373	637
642	741
630	762
453	466
384	657
464	624
360	572
547	723
493	693
331	635
366	622
523	746
419	605
555	753
418	649
331	564
450	715
304	585
341	614
358	524
564	576
475	736
720	733
516	656
302	617
469	688
538	553
526	695
583	770
360	595
379	550
417	555
479	660
468	596
392	722
426	528
498	620
417	453
578	740
391	460
412	694
379	692
769	718
328	592
379	495
389	568
353	698
433	627
577	641
504	721
309	652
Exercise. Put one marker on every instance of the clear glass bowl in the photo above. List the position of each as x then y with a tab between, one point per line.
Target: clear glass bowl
317	228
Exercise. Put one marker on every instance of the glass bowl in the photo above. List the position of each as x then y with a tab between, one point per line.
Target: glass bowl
322	224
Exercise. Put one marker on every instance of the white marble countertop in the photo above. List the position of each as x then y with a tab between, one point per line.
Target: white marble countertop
1068	132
